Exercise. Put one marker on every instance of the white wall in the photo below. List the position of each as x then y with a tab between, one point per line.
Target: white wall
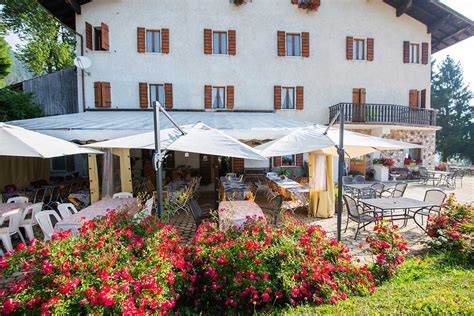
327	76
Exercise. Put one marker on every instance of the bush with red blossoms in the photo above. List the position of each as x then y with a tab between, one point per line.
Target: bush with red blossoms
259	266
388	248
117	264
452	230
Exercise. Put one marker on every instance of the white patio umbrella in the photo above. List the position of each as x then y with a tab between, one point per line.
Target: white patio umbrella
20	142
313	139
199	138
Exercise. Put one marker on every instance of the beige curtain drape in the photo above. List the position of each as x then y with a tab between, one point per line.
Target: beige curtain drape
321	186
21	171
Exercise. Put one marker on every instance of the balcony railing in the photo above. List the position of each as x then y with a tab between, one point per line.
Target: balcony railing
384	114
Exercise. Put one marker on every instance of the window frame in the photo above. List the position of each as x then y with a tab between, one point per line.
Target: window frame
411	54
356	51
224	90
153	32
156	86
97	39
282	105
220	50
293	41
293	158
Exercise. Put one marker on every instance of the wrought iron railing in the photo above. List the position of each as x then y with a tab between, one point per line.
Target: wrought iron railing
384	114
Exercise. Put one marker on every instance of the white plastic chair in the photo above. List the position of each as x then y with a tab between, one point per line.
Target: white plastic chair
66	209
28	219
272	174
231	175
148	206
18	199
44	220
14	217
123	195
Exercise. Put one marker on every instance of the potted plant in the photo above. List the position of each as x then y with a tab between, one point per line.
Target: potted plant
381	168
309	5
284	173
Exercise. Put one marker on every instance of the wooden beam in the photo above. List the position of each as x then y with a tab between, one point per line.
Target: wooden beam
93	178
404	7
125	169
438	23
459	32
74	6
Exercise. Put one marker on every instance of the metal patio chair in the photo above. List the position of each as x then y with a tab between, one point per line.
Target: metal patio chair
356	213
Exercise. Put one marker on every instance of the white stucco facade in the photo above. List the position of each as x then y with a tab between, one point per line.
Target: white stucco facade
327	77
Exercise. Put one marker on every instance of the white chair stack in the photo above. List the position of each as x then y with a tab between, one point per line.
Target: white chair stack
44	220
66	209
18	199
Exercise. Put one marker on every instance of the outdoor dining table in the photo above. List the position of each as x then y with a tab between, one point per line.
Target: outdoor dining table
98	209
6	207
288	187
385	207
232	185
233	213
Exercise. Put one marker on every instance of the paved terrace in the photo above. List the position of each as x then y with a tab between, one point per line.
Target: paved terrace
412	233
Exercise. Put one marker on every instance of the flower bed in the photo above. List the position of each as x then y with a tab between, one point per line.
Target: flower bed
452	230
258	266
116	265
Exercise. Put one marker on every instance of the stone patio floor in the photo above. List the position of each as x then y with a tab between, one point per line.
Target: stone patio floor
413	234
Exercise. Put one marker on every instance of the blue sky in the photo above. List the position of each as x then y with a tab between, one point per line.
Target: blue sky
462	52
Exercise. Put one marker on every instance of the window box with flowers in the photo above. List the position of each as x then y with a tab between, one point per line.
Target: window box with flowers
309	5
381	167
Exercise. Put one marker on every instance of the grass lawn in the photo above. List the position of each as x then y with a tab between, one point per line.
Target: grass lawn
422	286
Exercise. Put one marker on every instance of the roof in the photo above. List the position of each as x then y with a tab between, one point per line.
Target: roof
447	26
103	125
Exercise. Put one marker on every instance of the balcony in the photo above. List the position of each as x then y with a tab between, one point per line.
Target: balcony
384	114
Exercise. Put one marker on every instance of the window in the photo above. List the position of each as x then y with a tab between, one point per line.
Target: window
218	97
98	38
288	161
414	53
287	98
219	43
293	44
65	163
157	93
358	52
153	41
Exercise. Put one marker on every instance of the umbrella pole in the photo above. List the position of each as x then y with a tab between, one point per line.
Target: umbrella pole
339	173
157	159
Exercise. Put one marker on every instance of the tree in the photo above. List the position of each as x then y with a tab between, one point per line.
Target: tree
16	105
452	97
5	60
48	46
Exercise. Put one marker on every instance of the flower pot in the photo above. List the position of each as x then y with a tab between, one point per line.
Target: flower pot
381	173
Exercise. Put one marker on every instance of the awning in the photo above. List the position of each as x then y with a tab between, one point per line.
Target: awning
104	125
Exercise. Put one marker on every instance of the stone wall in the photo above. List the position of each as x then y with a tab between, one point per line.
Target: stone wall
424	138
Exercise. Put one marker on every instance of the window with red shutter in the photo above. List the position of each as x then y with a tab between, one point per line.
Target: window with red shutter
97	38
349	47
88	36
232	42
102	95
370	49
141	39
299	98
207	41
143	92
165	41
168	95
305	44
277	97
424	53
208	97
230	97
406	52
281	43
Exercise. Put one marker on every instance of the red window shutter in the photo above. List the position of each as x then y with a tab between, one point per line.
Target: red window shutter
305	44
424	53
406	52
232	43
98	94
299	98
106	95
281	43
230	97
88	36
370	49
277	161
165	41
105	36
168	95
413	99
299	159
362	95
143	92
208	97
349	47
277	97
207	41
141	46
423	99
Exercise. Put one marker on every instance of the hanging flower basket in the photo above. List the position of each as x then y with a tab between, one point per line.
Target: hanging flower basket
309	5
